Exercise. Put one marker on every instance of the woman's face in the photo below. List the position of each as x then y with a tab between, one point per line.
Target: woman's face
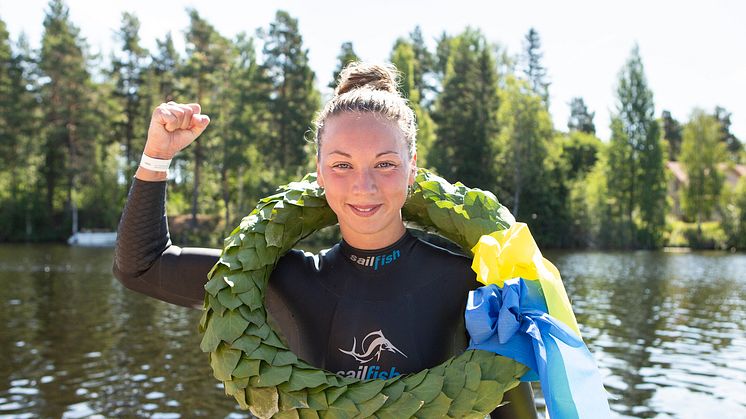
365	170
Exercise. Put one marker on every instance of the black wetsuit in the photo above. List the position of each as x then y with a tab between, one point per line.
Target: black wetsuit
361	313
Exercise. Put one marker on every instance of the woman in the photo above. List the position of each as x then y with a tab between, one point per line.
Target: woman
381	302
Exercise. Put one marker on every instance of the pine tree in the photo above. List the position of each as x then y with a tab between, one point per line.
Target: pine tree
734	147
67	93
701	151
128	75
424	67
671	134
346	55
534	70
207	67
580	118
19	155
164	68
403	57
294	97
465	114
636	167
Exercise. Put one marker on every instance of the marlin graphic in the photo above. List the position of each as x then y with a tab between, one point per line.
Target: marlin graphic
375	346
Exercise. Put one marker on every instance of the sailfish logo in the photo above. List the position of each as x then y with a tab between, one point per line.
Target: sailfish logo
371	347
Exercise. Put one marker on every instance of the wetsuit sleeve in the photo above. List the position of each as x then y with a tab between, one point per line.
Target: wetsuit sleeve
144	258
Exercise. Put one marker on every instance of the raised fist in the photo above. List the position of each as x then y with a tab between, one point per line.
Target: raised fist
174	126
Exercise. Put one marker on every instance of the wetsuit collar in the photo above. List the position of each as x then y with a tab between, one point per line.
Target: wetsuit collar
377	259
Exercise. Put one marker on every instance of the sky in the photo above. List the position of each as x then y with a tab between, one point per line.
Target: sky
694	52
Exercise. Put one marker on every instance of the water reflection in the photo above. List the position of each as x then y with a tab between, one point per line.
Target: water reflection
667	331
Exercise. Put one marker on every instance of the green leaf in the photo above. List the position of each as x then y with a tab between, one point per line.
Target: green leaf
317	400
333	393
489	395
273	234
230	326
249	259
473	376
264	352
463	403
342	408
454	382
239	282
246	368
404	407
270	375
285	358
252	298
210	339
257	317
308	414
293	400
247	343
362	391
223	361
429	388
368	407
215	284
230	260
228	299
306	379
437	408
393	391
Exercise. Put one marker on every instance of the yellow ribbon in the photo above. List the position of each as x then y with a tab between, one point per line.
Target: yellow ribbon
513	253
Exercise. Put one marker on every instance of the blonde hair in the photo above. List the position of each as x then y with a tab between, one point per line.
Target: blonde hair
369	87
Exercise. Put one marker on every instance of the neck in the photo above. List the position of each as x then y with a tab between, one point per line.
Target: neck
373	241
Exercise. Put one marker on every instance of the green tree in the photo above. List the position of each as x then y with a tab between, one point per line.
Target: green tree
466	114
701	151
205	74
404	58
294	98
346	55
69	135
734	147
128	74
424	66
164	70
19	150
533	69
734	220
580	151
671	134
636	166
581	119
530	163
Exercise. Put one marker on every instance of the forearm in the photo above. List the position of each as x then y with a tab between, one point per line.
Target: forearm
145	260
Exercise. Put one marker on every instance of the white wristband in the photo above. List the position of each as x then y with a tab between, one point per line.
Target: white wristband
156	165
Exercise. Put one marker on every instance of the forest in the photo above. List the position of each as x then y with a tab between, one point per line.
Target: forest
73	125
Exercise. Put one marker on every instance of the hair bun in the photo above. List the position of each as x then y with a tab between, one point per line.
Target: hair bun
357	75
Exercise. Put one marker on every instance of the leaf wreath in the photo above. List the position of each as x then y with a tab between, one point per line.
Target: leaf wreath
267	378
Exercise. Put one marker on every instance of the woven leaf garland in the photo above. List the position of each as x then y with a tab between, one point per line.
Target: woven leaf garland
265	377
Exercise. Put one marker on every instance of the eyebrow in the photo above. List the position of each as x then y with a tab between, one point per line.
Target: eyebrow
350	156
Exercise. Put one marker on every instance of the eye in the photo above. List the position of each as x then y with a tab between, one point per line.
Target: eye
341	165
385	165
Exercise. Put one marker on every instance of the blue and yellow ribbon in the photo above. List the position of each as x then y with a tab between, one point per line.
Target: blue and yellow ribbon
523	313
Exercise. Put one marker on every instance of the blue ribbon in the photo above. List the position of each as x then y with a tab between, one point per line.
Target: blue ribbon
513	321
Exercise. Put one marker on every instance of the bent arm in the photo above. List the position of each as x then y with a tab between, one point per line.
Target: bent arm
144	258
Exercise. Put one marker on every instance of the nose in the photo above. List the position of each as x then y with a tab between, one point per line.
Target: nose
365	182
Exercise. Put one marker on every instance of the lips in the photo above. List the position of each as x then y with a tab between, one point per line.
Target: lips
364	210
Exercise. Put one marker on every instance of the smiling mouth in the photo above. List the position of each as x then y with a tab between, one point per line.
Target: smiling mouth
364	210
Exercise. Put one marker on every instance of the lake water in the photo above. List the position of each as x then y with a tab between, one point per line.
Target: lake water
667	330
